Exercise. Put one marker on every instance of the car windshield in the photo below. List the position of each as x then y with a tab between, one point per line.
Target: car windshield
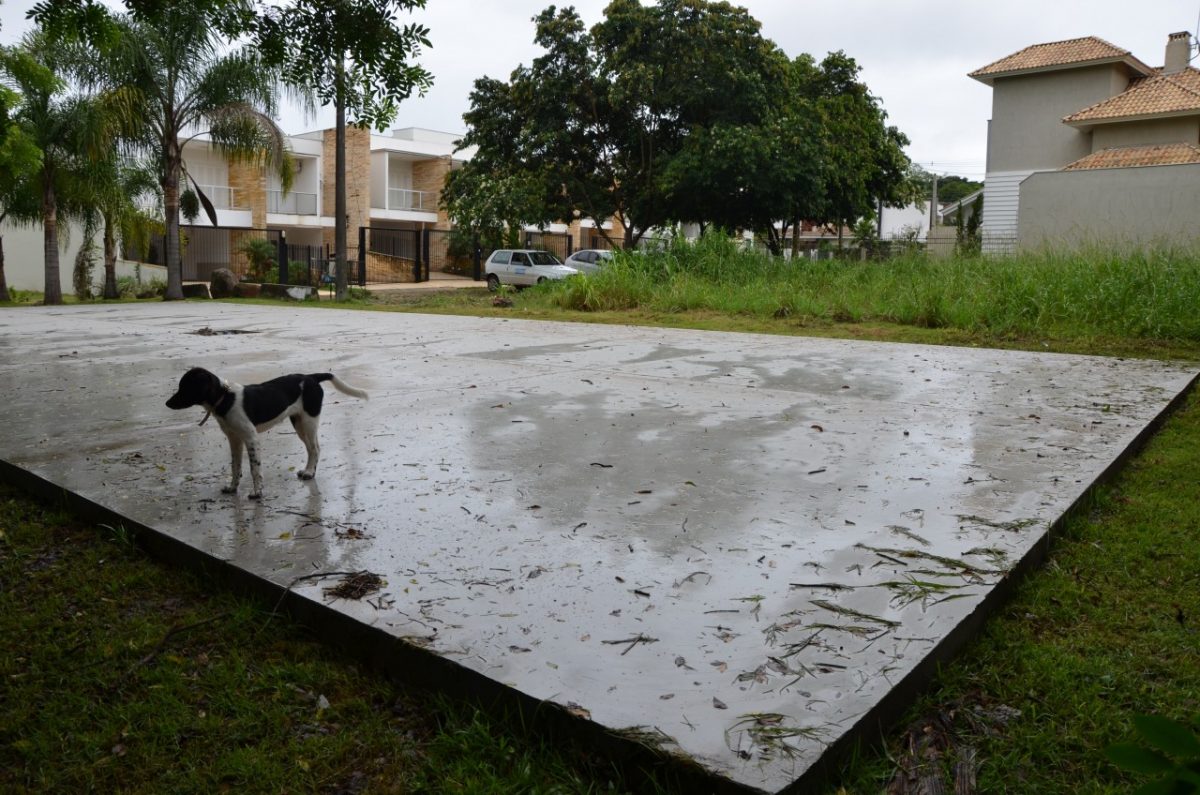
543	258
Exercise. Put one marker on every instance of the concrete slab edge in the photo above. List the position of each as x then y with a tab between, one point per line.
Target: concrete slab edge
869	731
406	663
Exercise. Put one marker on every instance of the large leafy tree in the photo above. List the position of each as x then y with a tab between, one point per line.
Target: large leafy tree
865	163
169	75
597	120
679	111
68	129
354	55
763	174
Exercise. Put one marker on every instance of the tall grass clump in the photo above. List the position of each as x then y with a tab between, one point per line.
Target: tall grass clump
1145	292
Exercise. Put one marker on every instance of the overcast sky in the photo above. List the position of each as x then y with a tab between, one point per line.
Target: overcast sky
915	54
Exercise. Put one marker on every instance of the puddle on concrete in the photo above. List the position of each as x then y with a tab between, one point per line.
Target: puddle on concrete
733	546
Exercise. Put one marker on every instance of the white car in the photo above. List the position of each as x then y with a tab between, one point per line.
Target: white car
523	267
589	260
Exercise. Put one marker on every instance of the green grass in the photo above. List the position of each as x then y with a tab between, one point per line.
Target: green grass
1143	294
1108	629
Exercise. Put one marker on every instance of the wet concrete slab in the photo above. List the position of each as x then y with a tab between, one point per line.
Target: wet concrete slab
732	546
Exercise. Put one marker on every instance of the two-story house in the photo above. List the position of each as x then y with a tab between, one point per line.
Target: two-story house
1087	144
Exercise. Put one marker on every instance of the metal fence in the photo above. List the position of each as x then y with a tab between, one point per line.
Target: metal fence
387	256
937	246
644	243
559	244
252	254
204	249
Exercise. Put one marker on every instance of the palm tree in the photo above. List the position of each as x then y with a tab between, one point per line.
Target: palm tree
70	130
170	74
116	189
20	159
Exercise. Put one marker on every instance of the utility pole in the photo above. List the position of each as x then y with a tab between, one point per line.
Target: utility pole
933	205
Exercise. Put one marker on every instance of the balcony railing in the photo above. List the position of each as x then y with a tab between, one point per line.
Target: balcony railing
294	203
223	197
401	199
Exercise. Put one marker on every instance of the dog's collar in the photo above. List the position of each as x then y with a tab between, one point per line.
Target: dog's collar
226	400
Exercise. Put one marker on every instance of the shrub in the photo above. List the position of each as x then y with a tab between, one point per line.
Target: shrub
297	273
260	256
155	289
127	286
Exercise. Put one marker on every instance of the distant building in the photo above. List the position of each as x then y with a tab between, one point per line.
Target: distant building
1088	144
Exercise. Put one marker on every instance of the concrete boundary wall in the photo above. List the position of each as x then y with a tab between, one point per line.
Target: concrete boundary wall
1111	206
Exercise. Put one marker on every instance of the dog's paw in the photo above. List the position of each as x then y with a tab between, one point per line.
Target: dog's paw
306	475
255	496
229	489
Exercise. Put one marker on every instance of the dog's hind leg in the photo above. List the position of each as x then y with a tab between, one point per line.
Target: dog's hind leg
306	429
235	450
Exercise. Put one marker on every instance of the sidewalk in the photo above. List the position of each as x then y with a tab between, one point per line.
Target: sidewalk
437	281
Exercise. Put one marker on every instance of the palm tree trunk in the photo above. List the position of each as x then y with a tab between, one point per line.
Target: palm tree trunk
170	186
4	296
53	287
110	260
339	189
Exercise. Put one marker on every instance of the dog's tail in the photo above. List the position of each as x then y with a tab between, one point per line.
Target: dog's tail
340	385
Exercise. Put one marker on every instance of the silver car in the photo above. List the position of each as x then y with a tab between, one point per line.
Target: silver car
523	267
589	260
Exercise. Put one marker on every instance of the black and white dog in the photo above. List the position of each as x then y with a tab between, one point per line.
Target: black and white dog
245	411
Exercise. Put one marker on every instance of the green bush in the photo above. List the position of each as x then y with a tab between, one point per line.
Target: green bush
297	273
260	255
127	286
157	288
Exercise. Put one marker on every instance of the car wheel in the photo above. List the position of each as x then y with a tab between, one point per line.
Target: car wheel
493	282
541	279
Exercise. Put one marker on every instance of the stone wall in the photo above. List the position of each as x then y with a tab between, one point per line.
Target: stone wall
385	268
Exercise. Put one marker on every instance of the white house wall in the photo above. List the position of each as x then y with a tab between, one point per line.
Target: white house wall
897	221
379	179
25	263
1001	204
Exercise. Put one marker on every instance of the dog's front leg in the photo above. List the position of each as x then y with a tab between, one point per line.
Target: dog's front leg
235	450
255	472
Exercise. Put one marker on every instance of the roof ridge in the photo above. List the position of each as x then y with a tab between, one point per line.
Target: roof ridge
1159	145
1142	84
1171	79
1113	52
1126	156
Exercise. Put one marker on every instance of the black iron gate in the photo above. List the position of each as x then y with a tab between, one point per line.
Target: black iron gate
387	255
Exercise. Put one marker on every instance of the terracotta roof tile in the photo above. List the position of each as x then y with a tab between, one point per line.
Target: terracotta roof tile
1177	93
1056	53
1130	156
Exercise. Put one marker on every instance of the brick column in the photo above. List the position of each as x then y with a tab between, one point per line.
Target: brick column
430	176
249	183
358	181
